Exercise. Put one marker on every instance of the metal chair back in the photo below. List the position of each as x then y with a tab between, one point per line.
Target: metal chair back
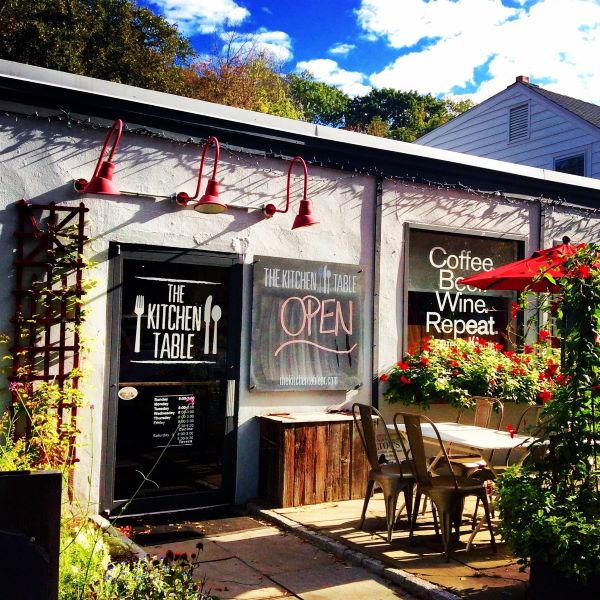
529	417
367	430
485	407
414	434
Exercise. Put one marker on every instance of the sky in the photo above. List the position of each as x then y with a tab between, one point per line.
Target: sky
455	48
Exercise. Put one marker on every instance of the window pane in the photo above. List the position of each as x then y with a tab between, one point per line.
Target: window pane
575	165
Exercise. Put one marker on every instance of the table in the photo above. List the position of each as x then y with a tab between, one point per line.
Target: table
471	437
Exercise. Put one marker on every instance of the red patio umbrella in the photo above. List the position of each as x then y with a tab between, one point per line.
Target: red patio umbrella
525	273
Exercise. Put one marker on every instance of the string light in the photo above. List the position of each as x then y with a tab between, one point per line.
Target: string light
349	172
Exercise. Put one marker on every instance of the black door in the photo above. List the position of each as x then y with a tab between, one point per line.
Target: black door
174	366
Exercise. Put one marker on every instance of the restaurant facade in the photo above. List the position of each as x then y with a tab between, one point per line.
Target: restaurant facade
197	326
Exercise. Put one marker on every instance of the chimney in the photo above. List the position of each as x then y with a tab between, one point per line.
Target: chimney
522	79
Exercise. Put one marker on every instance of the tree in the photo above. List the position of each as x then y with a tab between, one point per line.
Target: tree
408	115
107	39
242	74
320	102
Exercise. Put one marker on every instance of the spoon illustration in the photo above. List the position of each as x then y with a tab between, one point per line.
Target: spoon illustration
216	315
207	317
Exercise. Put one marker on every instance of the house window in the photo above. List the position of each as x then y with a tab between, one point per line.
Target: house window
575	165
518	128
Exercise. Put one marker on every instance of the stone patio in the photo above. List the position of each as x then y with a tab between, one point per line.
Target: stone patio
475	574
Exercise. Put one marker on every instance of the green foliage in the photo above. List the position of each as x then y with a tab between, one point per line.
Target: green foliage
456	370
87	571
168	578
83	561
113	40
550	508
408	115
32	435
319	102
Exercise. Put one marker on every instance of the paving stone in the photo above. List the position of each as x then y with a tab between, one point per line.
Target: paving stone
232	578
275	553
338	582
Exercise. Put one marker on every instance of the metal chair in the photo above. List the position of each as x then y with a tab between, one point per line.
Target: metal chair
485	409
394	477
447	492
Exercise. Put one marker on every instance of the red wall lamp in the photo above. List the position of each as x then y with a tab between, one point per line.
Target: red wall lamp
304	216
209	203
101	181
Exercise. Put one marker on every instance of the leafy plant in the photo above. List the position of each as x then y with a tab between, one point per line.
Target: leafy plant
550	507
32	433
456	370
88	572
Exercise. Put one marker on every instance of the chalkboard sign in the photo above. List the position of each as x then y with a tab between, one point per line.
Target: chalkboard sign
439	305
307	325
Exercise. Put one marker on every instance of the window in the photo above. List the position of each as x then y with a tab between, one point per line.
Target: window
518	128
575	165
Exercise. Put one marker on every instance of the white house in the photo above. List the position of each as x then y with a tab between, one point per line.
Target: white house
528	125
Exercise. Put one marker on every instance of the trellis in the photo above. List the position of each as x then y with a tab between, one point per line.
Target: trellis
48	294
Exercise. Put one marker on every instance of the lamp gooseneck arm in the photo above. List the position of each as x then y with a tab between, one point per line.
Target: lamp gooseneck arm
271	209
182	197
117	129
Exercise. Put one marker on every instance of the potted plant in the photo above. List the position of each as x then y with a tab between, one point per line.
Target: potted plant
550	506
459	369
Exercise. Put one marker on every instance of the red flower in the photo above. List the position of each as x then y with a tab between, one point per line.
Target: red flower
514	309
424	361
500	367
584	271
528	349
454	363
477	350
402	366
406	380
511	429
545	396
498	346
384	377
543	335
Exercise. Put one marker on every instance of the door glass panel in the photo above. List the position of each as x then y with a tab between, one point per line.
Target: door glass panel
172	379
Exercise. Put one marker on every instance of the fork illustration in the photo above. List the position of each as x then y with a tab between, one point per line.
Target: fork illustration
139	311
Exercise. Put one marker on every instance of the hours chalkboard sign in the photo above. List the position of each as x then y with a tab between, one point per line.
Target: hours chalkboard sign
307	321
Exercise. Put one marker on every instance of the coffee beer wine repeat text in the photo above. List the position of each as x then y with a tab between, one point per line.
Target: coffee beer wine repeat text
448	282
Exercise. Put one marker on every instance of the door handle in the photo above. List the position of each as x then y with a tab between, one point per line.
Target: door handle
230	403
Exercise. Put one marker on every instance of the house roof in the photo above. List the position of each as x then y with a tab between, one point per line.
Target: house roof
279	137
585	110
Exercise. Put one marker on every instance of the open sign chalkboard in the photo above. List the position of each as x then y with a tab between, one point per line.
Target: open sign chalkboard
307	320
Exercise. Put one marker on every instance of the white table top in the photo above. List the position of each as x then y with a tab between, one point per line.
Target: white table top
479	438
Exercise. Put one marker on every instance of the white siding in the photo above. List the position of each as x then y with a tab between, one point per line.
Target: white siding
554	131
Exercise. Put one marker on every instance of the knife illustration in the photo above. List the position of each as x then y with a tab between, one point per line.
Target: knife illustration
207	319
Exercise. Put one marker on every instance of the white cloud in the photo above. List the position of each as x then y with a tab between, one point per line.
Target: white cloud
328	71
276	43
202	16
554	42
341	49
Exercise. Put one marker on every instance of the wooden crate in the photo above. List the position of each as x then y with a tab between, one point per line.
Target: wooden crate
308	459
